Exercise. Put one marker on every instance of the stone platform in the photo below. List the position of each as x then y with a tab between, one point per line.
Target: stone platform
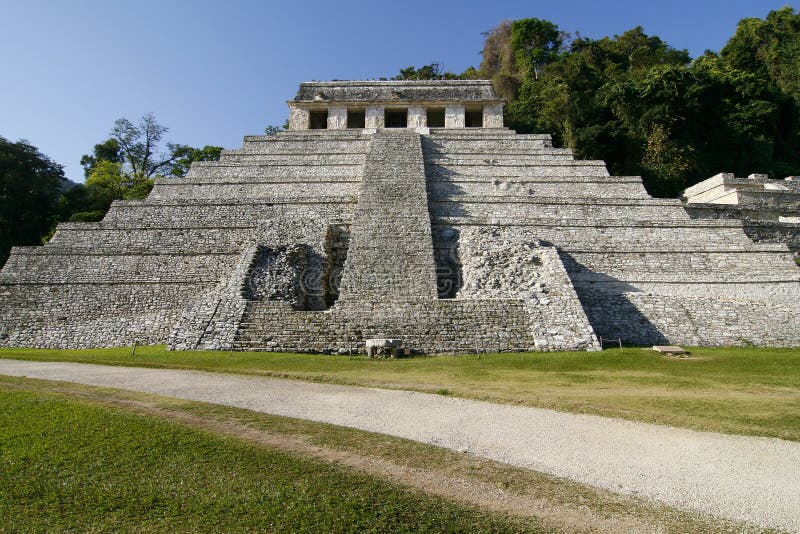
456	239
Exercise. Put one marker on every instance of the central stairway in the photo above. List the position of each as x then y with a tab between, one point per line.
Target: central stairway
391	249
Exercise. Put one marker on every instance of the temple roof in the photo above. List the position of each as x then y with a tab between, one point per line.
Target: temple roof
398	91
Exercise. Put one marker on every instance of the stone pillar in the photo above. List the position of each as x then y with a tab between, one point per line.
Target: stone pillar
417	117
454	117
493	116
374	117
298	118
337	118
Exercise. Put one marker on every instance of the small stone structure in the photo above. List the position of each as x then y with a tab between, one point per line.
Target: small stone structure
417	104
399	210
770	209
384	347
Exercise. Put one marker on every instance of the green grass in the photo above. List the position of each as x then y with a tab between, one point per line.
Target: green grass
67	465
751	391
83	458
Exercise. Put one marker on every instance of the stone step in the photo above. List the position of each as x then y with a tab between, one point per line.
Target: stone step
115	248
500	211
239	171
607	224
554	168
476	132
683	265
305	146
510	160
510	189
298	180
99	267
284	160
286	191
469	150
260	212
310	135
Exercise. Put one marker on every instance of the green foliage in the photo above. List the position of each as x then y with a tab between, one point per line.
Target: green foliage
87	216
30	185
108	150
272	129
190	155
432	72
769	48
665	161
499	62
139	147
646	109
125	167
536	43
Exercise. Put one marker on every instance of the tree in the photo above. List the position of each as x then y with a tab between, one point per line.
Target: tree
108	150
139	147
125	166
646	109
536	43
769	48
434	71
182	164
499	62
30	185
426	72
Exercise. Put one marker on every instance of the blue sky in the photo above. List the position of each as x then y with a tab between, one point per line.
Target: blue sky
215	71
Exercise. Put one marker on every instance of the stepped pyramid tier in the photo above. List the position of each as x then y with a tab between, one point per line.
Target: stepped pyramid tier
399	210
770	209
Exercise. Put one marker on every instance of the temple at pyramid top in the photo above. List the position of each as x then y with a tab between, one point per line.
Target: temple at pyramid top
396	104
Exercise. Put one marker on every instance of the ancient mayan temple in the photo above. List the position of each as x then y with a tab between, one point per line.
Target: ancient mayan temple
399	210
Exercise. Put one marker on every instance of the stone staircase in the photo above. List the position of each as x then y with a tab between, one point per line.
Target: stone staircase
391	252
389	283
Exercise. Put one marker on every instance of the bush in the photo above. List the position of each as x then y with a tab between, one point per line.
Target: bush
87	216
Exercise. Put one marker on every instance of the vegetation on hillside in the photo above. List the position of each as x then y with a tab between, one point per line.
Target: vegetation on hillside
647	108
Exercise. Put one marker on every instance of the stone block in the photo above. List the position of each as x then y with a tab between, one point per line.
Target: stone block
454	117
337	117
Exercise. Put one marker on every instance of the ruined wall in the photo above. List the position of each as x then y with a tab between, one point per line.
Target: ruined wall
496	264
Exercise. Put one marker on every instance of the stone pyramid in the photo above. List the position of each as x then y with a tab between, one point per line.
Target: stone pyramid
399	210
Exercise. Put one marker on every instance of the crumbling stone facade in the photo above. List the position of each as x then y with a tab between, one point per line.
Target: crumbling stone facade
769	209
399	210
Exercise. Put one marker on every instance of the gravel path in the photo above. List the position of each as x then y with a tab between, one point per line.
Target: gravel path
736	477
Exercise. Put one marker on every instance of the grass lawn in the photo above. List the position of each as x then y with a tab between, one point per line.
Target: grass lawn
751	391
87	459
74	466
